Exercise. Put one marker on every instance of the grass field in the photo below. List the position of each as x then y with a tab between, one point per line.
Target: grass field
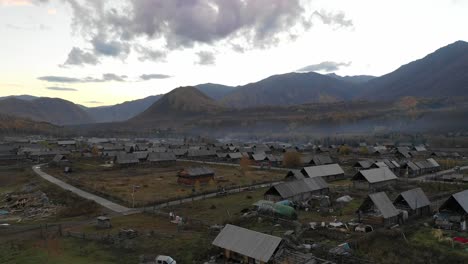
156	184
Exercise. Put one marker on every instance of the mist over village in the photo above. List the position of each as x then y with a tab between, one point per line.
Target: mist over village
234	131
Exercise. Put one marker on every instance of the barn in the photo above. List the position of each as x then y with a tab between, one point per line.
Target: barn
374	179
377	209
297	191
414	201
190	176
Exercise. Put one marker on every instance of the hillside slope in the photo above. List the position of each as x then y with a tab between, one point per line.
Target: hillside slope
442	73
290	89
123	111
52	110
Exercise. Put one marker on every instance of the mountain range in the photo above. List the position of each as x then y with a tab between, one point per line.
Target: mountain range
443	73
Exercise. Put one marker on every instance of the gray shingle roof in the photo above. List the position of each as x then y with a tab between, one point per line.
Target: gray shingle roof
376	175
323	170
415	198
290	189
161	156
246	242
383	203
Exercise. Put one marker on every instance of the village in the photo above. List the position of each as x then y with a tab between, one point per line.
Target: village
203	201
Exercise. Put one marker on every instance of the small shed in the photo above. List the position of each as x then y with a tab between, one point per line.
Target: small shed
247	246
414	201
377	209
190	176
374	178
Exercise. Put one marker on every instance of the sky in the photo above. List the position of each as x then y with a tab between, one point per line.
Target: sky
106	52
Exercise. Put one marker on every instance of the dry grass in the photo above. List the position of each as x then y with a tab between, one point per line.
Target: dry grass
157	184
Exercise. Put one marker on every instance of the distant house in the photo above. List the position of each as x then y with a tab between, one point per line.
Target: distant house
60	160
201	153
374	179
297	191
377	209
318	160
126	159
190	176
162	158
414	201
328	172
410	169
141	155
242	245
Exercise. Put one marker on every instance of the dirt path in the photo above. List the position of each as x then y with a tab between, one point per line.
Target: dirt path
99	200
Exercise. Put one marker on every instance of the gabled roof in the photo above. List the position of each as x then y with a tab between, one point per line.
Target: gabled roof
462	199
322	159
161	156
248	243
234	155
126	158
383	203
259	156
365	164
376	175
415	198
290	189
322	170
433	162
412	166
297	174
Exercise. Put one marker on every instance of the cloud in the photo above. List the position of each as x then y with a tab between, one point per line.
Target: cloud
150	54
102	46
326	66
93	102
64	89
333	19
113	77
206	58
21	2
59	79
79	57
114	30
147	77
105	78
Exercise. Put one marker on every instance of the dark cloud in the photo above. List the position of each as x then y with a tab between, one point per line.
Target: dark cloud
327	66
105	78
114	30
206	58
80	57
102	46
333	19
64	89
147	77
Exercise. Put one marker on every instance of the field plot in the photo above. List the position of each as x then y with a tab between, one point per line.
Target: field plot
156	184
